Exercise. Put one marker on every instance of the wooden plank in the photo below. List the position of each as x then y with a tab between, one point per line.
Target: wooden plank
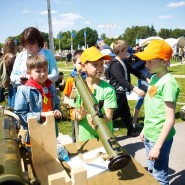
132	174
43	140
44	152
79	176
52	172
54	180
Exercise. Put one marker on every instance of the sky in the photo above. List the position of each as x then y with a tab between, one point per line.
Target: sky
105	16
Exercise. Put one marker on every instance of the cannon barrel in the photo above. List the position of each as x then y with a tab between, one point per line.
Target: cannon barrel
119	158
10	160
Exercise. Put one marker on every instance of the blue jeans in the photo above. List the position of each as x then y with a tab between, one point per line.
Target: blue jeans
159	168
11	96
139	102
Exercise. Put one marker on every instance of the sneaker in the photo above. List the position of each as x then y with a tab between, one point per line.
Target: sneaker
133	134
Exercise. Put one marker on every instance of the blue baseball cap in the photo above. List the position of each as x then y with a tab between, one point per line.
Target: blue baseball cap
99	40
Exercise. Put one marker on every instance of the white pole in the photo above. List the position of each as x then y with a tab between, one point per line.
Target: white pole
51	43
85	40
72	46
59	44
71	43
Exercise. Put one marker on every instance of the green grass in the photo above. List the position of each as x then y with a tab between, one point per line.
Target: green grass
65	124
178	70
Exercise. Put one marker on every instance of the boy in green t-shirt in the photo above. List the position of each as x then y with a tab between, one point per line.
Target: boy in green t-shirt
159	105
92	62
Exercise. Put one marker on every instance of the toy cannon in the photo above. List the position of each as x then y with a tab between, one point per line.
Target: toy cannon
112	147
10	158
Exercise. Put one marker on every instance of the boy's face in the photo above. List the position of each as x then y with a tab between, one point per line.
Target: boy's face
78	62
155	65
94	69
123	53
39	74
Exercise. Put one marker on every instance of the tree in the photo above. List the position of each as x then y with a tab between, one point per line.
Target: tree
103	36
130	35
138	32
46	37
91	37
176	33
165	33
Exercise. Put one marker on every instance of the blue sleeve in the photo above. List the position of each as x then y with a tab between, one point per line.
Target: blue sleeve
52	65
22	107
56	100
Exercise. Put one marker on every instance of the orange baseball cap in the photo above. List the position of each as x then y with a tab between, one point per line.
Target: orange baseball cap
156	49
93	54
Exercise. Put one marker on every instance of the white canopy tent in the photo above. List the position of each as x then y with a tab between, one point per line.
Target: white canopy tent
144	42
172	42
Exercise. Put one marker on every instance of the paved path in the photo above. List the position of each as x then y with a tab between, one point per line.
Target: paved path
177	156
177	64
136	148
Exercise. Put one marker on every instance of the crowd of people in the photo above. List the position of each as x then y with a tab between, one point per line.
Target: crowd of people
34	87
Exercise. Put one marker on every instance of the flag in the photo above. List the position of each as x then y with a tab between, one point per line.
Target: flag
84	33
73	34
59	36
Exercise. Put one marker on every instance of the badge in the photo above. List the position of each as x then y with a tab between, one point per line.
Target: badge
45	90
45	100
152	91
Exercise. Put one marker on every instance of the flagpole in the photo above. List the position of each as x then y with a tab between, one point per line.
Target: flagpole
72	46
85	39
51	42
71	43
59	43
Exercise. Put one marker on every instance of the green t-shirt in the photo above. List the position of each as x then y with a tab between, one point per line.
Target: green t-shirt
160	90
102	92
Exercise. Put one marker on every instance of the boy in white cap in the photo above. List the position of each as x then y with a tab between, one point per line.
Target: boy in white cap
159	105
92	61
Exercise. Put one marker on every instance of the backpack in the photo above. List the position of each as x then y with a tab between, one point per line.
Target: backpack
6	66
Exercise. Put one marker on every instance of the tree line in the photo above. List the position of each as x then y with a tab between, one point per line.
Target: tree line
90	35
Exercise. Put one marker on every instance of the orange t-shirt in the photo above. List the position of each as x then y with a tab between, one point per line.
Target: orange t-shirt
46	104
67	92
69	86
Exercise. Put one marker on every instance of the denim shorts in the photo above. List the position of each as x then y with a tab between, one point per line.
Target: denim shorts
159	168
139	102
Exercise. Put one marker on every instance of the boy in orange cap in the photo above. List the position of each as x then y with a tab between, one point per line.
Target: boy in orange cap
92	61
159	105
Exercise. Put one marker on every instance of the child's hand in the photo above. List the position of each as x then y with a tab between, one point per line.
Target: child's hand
148	80
44	114
90	121
154	154
139	91
79	114
57	114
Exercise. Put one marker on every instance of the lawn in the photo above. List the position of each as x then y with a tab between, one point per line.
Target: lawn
65	125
